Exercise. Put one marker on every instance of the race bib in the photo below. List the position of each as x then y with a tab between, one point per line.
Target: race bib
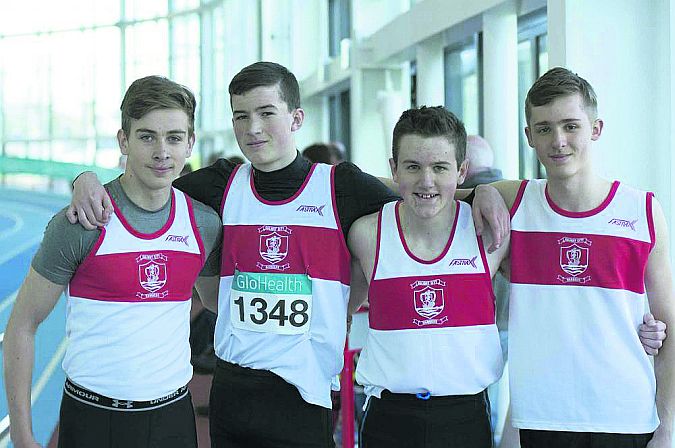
271	303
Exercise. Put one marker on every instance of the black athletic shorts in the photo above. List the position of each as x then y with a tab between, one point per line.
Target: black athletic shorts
563	439
409	421
84	425
256	408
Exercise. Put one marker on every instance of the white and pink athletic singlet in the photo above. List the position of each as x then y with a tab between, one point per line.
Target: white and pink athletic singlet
284	283
432	323
577	299
128	311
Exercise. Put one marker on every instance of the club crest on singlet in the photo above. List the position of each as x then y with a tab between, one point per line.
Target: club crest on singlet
273	247
429	301
152	275
574	254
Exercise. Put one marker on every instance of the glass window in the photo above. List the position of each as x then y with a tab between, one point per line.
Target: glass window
221	97
15	149
144	9
339	24
71	80
55	16
147	49
532	63
463	83
339	116
184	5
107	80
185	60
63	73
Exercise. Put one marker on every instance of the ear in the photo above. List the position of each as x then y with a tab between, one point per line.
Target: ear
123	142
298	119
596	129
191	143
528	134
392	165
462	172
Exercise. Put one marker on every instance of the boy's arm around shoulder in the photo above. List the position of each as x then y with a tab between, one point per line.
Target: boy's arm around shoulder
362	243
493	203
508	190
499	258
35	300
659	286
211	231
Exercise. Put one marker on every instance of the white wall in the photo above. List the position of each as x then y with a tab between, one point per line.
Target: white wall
625	50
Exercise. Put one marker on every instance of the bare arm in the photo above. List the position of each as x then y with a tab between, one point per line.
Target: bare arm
489	205
36	299
362	241
207	287
358	290
499	255
90	205
659	285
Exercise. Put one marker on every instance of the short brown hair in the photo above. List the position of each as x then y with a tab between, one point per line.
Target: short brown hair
431	122
265	74
156	92
559	82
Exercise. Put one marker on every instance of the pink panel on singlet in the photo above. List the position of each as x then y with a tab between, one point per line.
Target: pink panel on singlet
550	258
462	297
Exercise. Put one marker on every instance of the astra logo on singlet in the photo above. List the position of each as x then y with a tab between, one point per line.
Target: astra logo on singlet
623	223
178	239
574	253
464	262
311	209
273	247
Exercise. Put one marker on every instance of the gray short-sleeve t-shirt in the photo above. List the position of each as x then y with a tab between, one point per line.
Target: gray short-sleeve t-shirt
65	246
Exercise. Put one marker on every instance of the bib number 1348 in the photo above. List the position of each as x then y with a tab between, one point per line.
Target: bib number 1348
265	307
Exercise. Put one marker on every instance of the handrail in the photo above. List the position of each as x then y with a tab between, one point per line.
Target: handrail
18	165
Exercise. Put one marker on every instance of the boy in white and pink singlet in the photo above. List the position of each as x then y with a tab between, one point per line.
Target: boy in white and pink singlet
587	255
433	346
128	287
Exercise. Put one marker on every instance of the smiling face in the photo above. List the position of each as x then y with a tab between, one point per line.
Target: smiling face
561	133
156	148
427	174
264	127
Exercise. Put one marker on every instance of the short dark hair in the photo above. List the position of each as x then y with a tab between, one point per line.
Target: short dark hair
322	153
559	82
265	74
156	92
431	122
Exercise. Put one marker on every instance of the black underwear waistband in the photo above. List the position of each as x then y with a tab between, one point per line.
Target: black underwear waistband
89	397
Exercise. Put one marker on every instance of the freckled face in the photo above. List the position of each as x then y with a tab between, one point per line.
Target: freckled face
427	174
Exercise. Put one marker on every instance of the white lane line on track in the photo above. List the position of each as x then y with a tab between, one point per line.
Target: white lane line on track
8	301
18	223
39	386
8	255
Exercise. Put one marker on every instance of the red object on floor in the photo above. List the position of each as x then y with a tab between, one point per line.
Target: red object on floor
347	397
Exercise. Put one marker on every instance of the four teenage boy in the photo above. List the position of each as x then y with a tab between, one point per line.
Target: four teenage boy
284	276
